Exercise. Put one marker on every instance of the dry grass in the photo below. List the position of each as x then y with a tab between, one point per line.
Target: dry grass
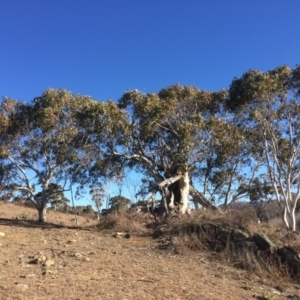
130	221
198	233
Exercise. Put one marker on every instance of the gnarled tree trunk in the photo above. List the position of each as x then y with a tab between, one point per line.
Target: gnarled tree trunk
175	195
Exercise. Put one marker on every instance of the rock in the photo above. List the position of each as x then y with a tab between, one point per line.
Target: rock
239	235
118	234
22	286
39	259
246	245
241	251
2	234
217	233
72	241
245	261
77	255
262	263
121	234
274	291
26	276
49	273
49	263
263	243
293	297
290	256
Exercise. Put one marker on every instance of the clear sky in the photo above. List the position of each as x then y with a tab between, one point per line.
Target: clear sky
103	47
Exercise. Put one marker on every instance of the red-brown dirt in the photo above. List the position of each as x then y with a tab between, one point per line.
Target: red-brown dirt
84	263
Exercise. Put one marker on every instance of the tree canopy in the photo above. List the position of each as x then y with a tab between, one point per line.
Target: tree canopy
211	147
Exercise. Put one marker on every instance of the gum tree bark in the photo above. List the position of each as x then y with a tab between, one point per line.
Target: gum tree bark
175	195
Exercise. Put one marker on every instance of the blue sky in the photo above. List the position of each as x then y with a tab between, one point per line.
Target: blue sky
102	48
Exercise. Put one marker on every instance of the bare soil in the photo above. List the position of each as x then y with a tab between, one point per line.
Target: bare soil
58	260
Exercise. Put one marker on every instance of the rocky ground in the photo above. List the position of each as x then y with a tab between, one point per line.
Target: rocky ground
61	261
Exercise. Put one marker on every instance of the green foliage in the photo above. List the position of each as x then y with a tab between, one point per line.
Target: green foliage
170	128
267	106
119	203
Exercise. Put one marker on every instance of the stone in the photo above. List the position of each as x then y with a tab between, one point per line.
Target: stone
274	291
239	235
2	234
293	297
72	241
22	286
118	234
263	243
246	245
49	263
77	255
289	256
220	233
39	259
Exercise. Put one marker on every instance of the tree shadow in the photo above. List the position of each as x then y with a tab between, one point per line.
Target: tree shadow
37	224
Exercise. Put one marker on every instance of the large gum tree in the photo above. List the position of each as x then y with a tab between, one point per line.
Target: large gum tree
166	136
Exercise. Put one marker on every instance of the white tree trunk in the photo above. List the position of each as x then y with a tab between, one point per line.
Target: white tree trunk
175	195
284	218
184	187
98	213
293	217
289	219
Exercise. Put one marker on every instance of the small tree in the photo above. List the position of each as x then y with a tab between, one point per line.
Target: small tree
98	195
119	203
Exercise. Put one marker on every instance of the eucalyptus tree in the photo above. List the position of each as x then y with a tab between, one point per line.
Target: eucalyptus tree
118	204
167	135
97	195
39	145
267	105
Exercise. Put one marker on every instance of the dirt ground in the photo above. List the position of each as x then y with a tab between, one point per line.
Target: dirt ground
61	261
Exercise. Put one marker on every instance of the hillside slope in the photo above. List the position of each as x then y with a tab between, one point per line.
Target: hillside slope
56	261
